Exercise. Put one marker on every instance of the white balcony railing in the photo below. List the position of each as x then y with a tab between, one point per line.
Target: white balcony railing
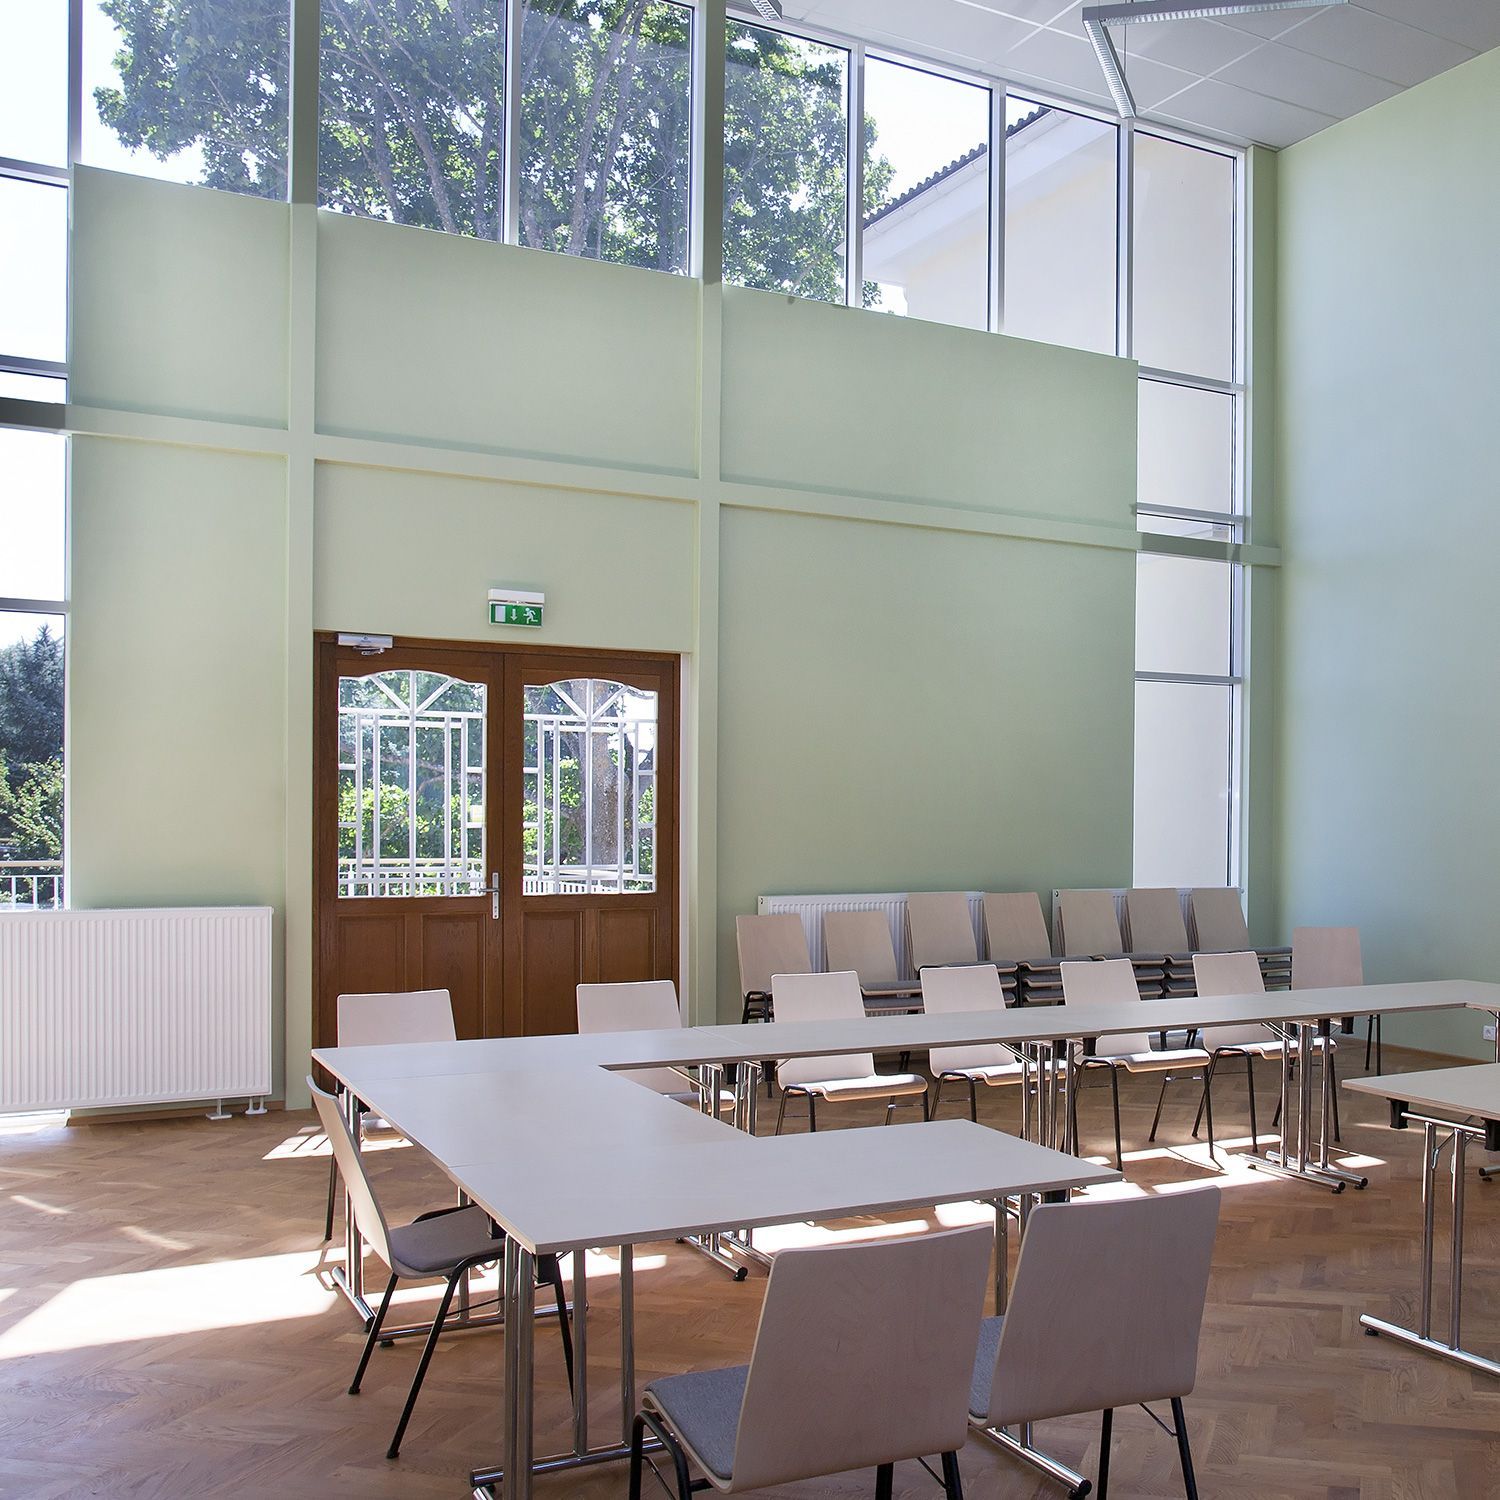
31	885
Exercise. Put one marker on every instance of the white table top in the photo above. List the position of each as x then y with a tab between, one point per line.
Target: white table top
1457	1092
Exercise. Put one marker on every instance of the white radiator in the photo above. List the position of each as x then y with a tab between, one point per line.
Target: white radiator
812	908
134	1007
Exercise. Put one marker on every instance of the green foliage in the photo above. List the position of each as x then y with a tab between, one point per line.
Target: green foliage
411	123
31	747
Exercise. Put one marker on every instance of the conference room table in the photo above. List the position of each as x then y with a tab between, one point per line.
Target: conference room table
1464	1102
565	1157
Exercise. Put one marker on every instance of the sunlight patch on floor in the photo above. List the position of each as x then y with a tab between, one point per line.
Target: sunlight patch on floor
38	1206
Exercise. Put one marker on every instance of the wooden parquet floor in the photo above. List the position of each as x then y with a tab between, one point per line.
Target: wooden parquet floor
166	1331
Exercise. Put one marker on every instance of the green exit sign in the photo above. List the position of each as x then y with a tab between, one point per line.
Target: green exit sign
516	614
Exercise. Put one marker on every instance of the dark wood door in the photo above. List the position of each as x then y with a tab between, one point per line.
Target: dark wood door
495	823
593	895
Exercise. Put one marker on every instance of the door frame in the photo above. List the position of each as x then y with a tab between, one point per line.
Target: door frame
328	660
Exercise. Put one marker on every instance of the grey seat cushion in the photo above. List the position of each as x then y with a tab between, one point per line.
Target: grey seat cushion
984	1366
703	1407
432	1247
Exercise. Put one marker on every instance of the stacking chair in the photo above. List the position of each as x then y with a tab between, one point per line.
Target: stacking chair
771	944
1016	937
968	988
375	1020
1105	1311
641	1005
1232	974
1327	956
1219	920
862	1358
836	1079
1090	928
1157	926
942	932
1113	979
861	940
448	1243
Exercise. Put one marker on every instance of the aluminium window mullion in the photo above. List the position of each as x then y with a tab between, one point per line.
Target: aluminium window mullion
510	131
854	178
999	106
1125	239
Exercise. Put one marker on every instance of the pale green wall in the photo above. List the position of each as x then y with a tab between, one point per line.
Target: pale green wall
1389	815
179	300
923	538
176	678
922	710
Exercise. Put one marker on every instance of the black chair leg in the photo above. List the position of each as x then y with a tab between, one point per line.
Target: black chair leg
1160	1100
416	1381
375	1323
1250	1084
1185	1452
551	1272
937	1097
1204	1104
333	1182
1208	1105
643	1421
973	1103
885	1477
953	1481
1333	1078
637	1455
926	1113
812	1114
1105	1432
781	1113
1369	1039
1114	1099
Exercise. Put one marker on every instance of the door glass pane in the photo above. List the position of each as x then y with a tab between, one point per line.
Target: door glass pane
1060	209
411	114
786	153
589	788
33	269
606	129
1186	450
1183	613
194	91
1183	772
31	760
34	82
1184	258
411	785
32	490
927	195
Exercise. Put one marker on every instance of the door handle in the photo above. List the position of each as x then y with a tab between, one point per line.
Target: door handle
494	894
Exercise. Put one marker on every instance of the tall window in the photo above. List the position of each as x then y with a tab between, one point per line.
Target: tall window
926	241
33	463
191	90
1189	608
786	156
1060	239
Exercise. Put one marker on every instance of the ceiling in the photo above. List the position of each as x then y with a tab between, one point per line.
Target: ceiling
1271	77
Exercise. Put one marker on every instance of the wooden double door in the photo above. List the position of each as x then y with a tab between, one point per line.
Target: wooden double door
498	823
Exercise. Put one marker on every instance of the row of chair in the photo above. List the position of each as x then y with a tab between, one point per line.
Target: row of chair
941	933
870	1354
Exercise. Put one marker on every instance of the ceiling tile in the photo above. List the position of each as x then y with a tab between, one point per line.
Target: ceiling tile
1266	24
1471	23
969	33
1200	47
1237	112
1299	78
1066	61
1376	45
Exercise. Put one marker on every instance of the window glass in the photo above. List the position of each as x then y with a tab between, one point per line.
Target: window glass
191	90
1207	531
588	788
1185	454
1183	772
1183	614
22	387
32	487
410	112
411	785
1184	258
927	195
33	269
1061	258
606	129
31	760
34	82
785	162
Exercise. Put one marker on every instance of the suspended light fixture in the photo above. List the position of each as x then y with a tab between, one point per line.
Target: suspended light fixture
767	10
1097	19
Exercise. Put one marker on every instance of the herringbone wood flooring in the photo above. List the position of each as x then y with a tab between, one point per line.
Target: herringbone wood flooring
164	1331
